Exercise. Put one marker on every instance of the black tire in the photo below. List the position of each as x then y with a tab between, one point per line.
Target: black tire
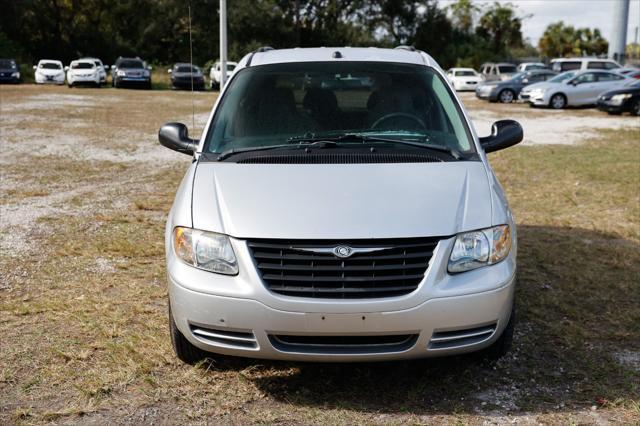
506	96
635	107
501	347
558	101
183	349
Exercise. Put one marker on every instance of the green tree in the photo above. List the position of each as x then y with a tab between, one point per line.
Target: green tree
500	25
463	13
560	40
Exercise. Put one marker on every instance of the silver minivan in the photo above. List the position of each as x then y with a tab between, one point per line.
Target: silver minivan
340	207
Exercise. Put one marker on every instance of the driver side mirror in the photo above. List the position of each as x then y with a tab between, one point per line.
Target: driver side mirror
175	136
504	133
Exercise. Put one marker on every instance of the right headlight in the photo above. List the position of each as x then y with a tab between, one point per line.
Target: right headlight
619	99
205	250
480	248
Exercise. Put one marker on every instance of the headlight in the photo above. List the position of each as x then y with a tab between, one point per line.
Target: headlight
146	73
121	73
205	250
15	75
480	248
619	99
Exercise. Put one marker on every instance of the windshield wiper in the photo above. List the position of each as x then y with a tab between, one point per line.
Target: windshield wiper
310	138
316	144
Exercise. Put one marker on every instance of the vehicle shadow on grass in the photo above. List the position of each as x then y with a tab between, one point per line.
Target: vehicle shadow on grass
577	305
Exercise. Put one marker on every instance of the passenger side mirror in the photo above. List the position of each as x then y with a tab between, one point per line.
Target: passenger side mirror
169	70
504	133
525	81
35	67
149	67
66	68
175	136
106	67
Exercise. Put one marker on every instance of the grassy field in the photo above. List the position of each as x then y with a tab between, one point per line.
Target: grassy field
83	306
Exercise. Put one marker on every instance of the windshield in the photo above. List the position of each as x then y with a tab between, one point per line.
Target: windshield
519	76
562	77
187	68
231	67
82	66
269	104
6	64
465	73
507	69
131	64
50	66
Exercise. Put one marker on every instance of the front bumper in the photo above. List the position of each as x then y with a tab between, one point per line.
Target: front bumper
84	79
40	79
465	86
186	84
486	94
614	108
538	99
242	318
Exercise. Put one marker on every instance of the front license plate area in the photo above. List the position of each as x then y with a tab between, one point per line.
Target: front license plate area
343	323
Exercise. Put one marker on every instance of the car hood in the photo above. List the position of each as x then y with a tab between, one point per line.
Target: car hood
341	201
543	85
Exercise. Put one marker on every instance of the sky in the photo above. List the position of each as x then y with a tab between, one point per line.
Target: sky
579	13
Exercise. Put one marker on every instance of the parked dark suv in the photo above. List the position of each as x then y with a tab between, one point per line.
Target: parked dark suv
183	75
131	72
9	71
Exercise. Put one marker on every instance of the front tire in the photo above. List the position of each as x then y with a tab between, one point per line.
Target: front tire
506	96
558	101
635	108
184	350
501	347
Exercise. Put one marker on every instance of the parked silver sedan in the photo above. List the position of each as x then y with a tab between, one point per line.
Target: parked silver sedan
574	89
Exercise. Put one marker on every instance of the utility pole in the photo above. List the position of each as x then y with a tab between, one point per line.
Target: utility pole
618	40
223	43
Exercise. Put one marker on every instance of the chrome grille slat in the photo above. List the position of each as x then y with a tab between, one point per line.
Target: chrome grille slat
391	268
460	338
244	339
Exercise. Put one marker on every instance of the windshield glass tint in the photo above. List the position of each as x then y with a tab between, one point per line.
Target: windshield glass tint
50	66
465	74
562	77
507	69
266	105
186	68
82	66
5	64
131	64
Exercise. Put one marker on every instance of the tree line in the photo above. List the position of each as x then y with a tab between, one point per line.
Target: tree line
461	33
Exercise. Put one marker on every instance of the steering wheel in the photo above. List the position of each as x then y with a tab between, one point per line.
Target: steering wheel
398	114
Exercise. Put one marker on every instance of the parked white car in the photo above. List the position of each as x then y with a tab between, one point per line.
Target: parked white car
49	71
531	66
102	69
83	71
464	78
582	88
570	64
216	73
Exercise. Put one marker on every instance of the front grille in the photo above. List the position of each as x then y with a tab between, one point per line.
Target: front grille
323	158
309	268
343	344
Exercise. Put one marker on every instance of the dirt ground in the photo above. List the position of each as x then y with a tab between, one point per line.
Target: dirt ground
85	189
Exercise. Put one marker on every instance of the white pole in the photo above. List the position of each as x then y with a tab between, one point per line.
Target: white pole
223	43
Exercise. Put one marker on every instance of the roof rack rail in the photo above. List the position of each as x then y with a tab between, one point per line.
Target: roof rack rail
409	48
259	50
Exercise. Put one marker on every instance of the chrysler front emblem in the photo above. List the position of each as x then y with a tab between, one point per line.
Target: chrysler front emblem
343	251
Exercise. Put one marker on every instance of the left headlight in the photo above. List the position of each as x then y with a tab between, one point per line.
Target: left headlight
480	248
619	99
205	250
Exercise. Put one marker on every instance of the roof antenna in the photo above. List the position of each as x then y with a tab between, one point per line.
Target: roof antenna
193	105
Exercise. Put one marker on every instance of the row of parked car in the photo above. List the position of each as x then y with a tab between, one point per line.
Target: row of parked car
568	82
126	72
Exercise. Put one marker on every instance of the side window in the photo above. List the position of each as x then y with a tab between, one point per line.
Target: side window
596	65
570	65
609	76
588	77
535	78
494	70
610	65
